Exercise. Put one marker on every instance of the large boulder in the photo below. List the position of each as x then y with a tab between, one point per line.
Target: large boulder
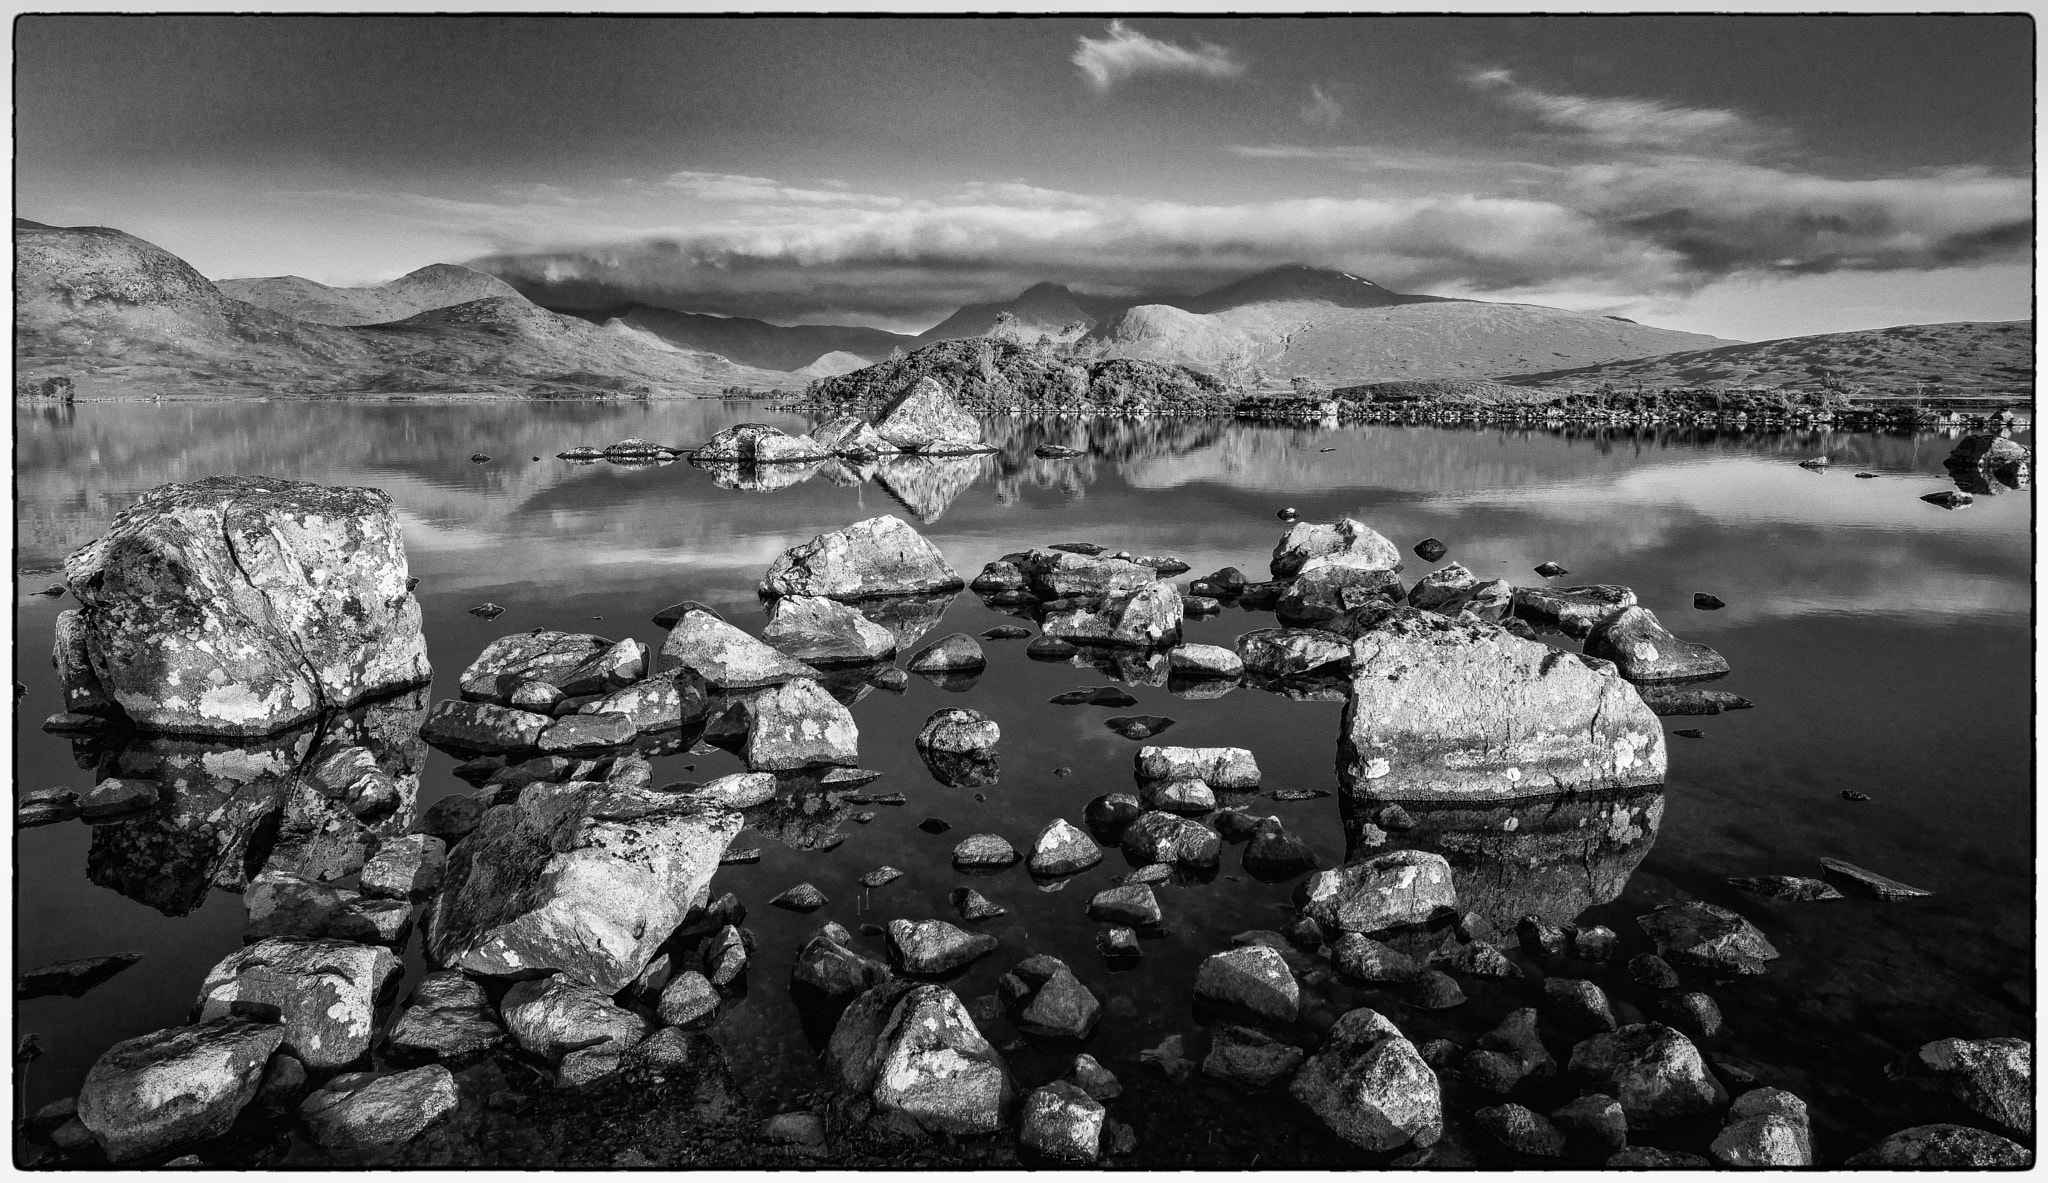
1443	586
798	725
851	436
724	657
757	443
244	605
324	992
822	632
1345	543
1228	769
881	556
581	877
1573	611
925	419
1444	711
1059	574
1645	651
1989	451
554	1016
362	1109
1655	1072
1992	1078
169	1088
1370	1086
909	1051
1708	937
1392	890
1936	1147
1147	618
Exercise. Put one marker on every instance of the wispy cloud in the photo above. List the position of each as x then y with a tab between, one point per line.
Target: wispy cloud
1622	122
1321	110
733	187
1124	53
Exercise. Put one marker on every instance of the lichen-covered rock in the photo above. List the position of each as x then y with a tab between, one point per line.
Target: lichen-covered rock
1401	887
1187	796
1062	848
1147	618
448	1018
362	1109
584	878
1061	1123
960	731
282	904
913	1050
583	733
1653	1071
1292	652
245	605
1232	770
823	632
407	866
1988	451
1941	1147
1251	984
663	702
984	851
851	436
173	1087
72	656
757	443
1325	591
881	556
726	658
1441	587
1573	611
1370	1086
1704	936
545	657
932	947
925	419
1060	574
1992	1078
1344	543
798	725
1645	651
1443	711
483	727
1048	1001
556	1015
1204	662
324	992
830	971
1160	837
1363	959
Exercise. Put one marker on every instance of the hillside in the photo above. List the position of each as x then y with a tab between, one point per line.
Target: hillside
750	342
831	365
1042	308
124	317
1293	324
995	375
1992	356
438	285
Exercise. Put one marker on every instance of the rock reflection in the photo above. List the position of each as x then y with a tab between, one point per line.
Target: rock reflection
961	770
311	801
928	485
908	618
1548	858
1988	483
759	478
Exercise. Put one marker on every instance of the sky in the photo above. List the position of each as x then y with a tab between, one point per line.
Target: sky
1750	177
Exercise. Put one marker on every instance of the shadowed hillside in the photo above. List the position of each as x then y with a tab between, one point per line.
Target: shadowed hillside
989	374
438	285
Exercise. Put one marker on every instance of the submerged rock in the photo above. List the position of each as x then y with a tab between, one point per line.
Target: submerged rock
832	972
913	1051
483	727
1707	937
1062	848
958	652
1645	651
1250	1058
1869	884
1787	887
1226	769
173	1087
1344	543
1573	611
362	1109
822	632
1370	1087
882	556
245	605
1443	711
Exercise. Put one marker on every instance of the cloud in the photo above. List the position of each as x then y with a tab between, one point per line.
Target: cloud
1321	110
1629	122
1125	53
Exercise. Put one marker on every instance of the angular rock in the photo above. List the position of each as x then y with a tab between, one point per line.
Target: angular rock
1869	884
850	435
553	1016
41	807
449	1018
1200	662
823	632
912	1050
972	905
245	605
1644	651
1694	1013
1250	983
1988	451
1655	1073
1446	585
1787	887
882	556
1594	1124
726	658
116	797
1345	543
1146	618
324	992
1943	1147
957	652
1579	1005
482	727
1061	1123
798	725
1766	1128
1049	1001
588	879
1292	652
173	1087
1520	1130
1273	854
576	733
544	657
1363	959
1391	890
1062	848
933	947
826	968
1992	1078
801	898
1226	769
1249	1058
72	655
362	1109
1132	905
924	418
958	730
689	1000
71	977
1160	837
1370	1087
405	867
1703	936
1185	796
1516	1036
1573	611
1433	989
1093	1079
1324	592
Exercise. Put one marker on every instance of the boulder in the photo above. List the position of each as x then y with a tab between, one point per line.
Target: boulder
72	655
1766	1128
1147	618
1161	837
584	878
1520	1130
1203	662
1644	651
660	703
116	797
1362	959
1445	585
1573	611
482	727
1988	451
933	947
960	731
1370	1087
824	632
173	1087
1443	711
757	443
851	436
1251	983
726	658
955	653
362	1109
1131	904
798	725
1292	652
1392	890
449	1018
1250	1058
1787	887
1055	574
688	1000
1061	1123
1992	1078
1185	796
830	971
1703	936
1062	848
1943	1147
282	904
553	1016
1594	1124
1273	854
1048	1001
324	992
405	867
1227	769
544	657
984	851
881	556
245	605
1869	884
912	1051
1323	592
1655	1073
1345	543
925	419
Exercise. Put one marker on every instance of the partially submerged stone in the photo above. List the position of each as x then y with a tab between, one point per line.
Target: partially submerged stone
933	947
1146	618
757	443
1704	936
959	730
1573	611
1392	890
1869	884
543	657
798	725
824	632
1370	1087
483	727
924	418
1227	769
1292	652
1344	543
881	556
1161	837
726	658
1251	983
913	1051
1062	848
1645	651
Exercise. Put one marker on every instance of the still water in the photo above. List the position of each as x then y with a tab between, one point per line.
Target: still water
1886	643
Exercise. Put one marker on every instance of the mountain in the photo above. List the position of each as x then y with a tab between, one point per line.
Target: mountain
1040	308
438	285
119	315
1991	356
831	365
1343	330
750	342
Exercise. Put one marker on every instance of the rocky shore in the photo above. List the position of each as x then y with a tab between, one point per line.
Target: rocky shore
1500	762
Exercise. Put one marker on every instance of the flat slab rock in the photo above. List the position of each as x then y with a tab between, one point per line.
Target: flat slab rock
1703	936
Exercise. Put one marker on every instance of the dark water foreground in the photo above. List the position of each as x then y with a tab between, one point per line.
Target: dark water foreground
1885	641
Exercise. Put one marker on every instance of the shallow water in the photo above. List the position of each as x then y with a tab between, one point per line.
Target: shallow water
1885	641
